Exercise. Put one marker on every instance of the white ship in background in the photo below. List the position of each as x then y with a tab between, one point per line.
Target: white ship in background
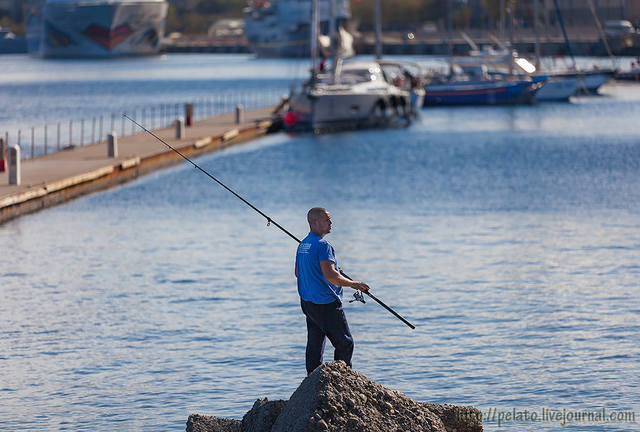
95	28
282	28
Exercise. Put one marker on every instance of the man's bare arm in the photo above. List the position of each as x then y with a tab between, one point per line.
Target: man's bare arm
333	276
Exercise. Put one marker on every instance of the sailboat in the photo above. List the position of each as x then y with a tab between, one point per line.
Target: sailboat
471	82
589	80
505	62
350	95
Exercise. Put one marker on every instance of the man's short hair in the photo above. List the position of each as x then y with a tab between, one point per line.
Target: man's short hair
315	213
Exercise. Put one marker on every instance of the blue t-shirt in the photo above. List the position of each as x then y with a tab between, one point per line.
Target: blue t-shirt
312	285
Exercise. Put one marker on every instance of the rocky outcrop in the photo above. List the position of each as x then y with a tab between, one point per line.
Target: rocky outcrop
336	398
263	415
201	423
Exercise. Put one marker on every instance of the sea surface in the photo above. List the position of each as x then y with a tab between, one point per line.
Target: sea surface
510	237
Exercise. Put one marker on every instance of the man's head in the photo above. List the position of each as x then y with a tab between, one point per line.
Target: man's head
319	221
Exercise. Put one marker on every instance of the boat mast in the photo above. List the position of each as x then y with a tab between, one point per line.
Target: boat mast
314	38
564	33
536	31
511	39
601	33
502	19
332	38
449	39
378	19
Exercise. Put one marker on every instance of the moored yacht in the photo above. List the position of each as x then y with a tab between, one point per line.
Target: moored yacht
357	96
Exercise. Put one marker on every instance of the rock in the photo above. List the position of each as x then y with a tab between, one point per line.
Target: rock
345	400
263	415
335	398
200	423
457	418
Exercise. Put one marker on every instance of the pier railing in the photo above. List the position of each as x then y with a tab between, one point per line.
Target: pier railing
62	135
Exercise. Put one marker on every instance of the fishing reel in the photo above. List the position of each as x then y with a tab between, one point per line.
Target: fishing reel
357	296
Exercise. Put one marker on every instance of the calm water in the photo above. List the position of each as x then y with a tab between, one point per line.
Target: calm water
509	236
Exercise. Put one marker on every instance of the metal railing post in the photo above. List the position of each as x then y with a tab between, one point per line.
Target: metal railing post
46	146
82	132
58	137
70	132
14	165
32	141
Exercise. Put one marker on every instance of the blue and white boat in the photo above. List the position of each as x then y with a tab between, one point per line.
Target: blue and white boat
10	43
482	92
95	28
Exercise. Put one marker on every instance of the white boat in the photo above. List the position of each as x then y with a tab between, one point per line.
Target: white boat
562	84
359	96
593	79
558	88
348	94
95	28
282	28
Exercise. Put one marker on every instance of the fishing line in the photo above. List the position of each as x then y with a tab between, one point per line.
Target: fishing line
269	220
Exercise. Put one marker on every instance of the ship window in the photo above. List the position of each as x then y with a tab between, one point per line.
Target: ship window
357	76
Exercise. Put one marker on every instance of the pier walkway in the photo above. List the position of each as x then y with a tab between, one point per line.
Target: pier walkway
57	177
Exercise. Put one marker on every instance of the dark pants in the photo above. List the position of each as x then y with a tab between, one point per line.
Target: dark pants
326	320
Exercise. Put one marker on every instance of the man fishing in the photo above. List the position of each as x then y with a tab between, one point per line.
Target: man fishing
320	287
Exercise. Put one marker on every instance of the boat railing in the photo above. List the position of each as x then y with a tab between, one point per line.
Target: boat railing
68	134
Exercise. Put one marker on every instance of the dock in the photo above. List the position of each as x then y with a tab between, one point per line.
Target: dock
54	178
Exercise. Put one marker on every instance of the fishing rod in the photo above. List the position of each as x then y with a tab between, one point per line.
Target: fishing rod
269	220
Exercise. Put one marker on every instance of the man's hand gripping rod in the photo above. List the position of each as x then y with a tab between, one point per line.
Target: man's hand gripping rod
269	220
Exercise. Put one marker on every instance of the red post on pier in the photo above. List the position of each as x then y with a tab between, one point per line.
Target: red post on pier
3	156
188	114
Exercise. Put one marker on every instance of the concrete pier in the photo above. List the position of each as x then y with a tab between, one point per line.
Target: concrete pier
53	178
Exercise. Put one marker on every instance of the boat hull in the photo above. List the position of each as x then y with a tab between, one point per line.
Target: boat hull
481	93
96	29
558	89
632	75
589	81
592	81
313	112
